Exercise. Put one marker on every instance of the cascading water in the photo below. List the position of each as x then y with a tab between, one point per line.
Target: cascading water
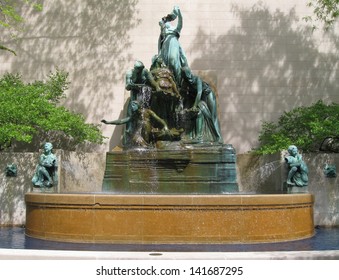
257	176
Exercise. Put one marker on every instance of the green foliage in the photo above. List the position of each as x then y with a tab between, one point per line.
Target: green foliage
30	109
325	11
305	127
10	17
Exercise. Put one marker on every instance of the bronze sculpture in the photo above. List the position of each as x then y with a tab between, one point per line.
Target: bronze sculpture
172	103
172	141
169	47
298	170
46	170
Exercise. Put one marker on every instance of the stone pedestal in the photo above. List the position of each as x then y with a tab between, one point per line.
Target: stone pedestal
185	169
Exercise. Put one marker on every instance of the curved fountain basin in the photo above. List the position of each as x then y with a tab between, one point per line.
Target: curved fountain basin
117	218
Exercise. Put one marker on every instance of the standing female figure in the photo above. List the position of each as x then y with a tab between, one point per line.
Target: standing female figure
169	47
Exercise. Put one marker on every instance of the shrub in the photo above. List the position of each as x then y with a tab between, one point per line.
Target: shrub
305	127
30	109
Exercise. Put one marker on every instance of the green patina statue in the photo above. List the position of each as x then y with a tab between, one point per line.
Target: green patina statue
172	141
330	171
162	78
169	47
46	170
298	170
143	133
200	98
168	102
11	170
135	80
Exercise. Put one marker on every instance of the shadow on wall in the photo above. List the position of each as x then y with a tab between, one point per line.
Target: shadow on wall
268	174
261	174
325	189
268	63
13	189
77	172
81	172
87	39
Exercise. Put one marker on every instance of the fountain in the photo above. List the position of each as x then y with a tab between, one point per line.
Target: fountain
174	180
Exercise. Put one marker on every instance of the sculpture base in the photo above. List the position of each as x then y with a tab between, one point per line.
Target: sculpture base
160	219
181	168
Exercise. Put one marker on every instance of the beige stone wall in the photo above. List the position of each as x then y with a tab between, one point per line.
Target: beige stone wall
83	172
77	173
268	174
13	189
260	54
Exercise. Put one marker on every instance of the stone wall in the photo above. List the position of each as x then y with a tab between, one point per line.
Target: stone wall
325	190
77	172
267	174
13	189
83	172
261	56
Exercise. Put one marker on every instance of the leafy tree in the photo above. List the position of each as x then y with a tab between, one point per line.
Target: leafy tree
30	109
305	127
10	17
325	11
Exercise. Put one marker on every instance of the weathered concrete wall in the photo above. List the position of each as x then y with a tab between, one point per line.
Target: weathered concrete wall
83	172
260	174
13	189
267	174
325	190
77	172
260	55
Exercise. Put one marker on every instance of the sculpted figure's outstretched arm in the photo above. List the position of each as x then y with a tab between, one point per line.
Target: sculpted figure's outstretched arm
117	122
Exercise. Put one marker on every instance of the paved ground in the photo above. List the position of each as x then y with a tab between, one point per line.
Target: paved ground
24	254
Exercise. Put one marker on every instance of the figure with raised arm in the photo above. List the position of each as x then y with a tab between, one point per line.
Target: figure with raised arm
169	47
